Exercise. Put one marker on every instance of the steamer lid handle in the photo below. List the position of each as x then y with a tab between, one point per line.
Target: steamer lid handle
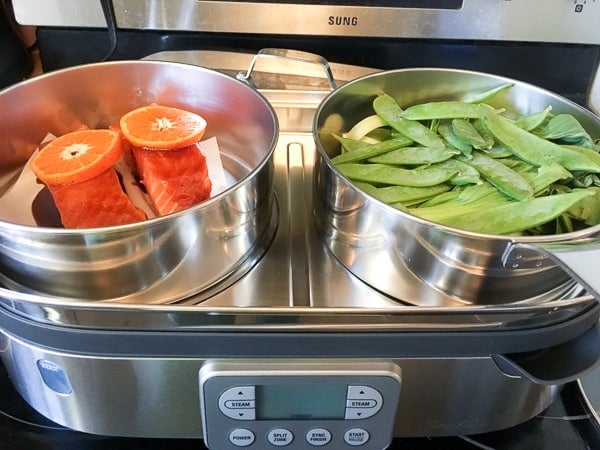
556	365
289	57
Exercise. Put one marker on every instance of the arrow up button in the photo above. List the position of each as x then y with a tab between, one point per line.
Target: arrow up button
362	402
238	403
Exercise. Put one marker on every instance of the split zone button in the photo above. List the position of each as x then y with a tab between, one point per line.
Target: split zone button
280	437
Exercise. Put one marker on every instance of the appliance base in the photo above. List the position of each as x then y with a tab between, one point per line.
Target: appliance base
159	396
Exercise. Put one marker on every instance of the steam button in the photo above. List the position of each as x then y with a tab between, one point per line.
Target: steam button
238	403
362	402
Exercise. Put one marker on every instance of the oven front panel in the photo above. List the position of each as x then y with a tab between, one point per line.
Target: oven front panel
563	21
160	396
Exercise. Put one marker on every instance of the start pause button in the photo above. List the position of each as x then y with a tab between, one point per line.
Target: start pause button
356	436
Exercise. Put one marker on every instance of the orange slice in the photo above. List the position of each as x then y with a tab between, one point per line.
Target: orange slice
77	156
158	127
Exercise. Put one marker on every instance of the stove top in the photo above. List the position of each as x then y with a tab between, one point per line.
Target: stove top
568	423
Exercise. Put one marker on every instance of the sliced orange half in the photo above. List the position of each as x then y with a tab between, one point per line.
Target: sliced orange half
158	127
77	156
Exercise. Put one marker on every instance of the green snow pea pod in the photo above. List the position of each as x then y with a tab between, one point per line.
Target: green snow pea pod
545	176
460	202
588	152
466	174
358	150
445	130
396	176
588	210
514	217
502	177
403	194
533	149
441	110
465	131
566	128
531	121
498	151
487	95
415	156
386	107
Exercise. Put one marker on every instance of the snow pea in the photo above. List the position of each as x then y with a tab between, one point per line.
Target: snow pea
465	131
502	177
460	202
589	153
515	217
386	107
533	149
588	210
531	121
415	156
384	174
565	128
403	194
445	130
466	174
487	95
359	151
540	178
498	151
441	110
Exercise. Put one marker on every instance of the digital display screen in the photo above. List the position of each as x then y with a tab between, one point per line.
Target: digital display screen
300	401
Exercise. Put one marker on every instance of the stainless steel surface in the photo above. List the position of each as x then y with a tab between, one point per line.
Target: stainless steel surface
167	258
296	287
362	231
270	74
308	289
159	397
287	57
590	386
522	20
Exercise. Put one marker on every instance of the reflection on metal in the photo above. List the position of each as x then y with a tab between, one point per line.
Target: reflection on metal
554	21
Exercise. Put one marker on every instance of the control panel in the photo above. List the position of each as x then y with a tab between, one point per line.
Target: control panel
299	404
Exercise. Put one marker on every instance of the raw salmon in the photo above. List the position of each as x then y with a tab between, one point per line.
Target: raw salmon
174	179
97	202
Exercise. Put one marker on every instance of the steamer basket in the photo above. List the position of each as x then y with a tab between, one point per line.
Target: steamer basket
377	242
169	257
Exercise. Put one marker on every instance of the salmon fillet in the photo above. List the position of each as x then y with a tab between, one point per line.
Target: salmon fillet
173	179
97	202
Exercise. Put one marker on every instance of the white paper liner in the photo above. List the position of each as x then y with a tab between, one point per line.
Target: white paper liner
16	202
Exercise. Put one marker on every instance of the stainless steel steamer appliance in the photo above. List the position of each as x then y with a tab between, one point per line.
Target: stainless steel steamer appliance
293	349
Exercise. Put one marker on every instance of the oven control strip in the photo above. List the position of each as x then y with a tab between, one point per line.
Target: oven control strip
298	404
522	20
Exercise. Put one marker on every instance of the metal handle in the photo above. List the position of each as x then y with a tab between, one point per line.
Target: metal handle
287	56
580	259
555	365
